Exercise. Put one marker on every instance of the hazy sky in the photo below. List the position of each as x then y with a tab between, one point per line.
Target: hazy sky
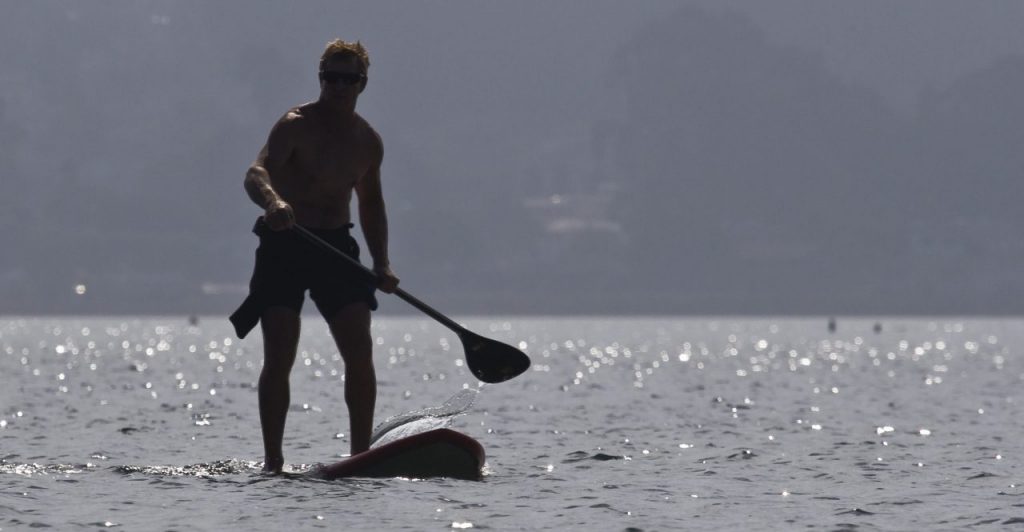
898	48
709	156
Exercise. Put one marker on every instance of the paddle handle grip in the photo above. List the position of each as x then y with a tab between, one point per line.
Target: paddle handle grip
406	296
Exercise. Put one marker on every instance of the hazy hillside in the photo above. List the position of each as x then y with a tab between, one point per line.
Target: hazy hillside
664	158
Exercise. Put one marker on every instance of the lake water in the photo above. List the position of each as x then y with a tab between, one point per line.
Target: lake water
621	424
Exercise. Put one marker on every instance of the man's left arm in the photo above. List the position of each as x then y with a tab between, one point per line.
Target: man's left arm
374	221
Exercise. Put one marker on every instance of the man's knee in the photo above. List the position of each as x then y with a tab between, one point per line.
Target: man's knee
277	368
356	347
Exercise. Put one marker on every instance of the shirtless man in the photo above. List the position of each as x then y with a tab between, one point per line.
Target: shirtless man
316	155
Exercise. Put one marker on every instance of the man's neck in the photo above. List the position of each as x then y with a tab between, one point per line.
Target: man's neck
341	113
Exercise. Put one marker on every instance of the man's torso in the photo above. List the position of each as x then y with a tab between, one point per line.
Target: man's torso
324	167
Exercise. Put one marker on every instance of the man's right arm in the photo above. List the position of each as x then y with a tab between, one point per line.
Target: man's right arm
275	153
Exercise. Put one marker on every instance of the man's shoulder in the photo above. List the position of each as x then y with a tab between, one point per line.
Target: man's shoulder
297	114
367	130
293	121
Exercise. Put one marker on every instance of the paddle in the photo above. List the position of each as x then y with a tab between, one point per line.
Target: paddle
489	360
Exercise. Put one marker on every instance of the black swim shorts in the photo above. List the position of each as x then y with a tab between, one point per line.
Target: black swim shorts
287	265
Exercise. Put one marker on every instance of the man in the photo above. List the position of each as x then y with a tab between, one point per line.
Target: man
315	156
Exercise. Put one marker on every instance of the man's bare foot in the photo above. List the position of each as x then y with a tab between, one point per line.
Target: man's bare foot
273	465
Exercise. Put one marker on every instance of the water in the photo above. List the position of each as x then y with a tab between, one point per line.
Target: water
621	424
419	421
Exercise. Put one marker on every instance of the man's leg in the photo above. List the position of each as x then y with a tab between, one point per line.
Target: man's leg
280	340
350	327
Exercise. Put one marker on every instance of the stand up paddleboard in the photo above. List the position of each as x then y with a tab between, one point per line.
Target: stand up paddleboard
435	453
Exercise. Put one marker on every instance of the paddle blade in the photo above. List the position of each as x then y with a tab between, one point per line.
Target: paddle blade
492	361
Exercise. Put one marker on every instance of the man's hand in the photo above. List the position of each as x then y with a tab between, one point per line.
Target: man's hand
387	281
279	216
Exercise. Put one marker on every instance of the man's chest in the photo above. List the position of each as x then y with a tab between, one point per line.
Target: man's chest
336	161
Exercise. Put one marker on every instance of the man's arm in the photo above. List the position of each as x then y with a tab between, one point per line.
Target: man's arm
272	157
374	221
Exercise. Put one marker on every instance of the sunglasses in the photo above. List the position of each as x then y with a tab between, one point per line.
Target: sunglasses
345	78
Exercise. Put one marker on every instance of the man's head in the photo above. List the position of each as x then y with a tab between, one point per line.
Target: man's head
344	64
344	48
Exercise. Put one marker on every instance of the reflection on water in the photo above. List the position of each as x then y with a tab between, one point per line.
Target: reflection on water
207	470
621	423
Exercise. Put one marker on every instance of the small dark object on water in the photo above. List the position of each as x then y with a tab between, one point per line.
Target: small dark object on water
193	320
878	327
831	325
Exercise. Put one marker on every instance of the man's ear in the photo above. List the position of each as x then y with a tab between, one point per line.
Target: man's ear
363	85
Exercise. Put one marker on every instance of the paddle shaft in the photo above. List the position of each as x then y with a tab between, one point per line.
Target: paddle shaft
409	298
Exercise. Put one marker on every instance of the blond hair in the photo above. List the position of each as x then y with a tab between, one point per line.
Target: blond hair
344	48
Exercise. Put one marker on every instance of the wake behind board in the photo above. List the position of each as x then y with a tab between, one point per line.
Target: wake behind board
435	453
